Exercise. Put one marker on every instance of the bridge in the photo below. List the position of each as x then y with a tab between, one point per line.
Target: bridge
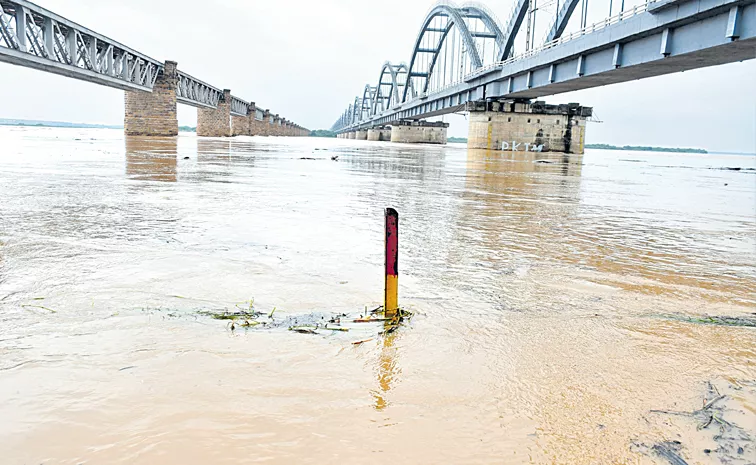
37	38
464	60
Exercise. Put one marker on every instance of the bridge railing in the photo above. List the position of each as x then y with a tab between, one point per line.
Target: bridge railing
39	38
566	38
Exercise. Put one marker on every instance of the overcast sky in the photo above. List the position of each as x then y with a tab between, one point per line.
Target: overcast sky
306	60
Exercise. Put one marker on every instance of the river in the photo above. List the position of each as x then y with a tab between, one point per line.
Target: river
560	302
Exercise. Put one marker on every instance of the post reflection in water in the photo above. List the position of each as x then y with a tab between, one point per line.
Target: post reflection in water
151	158
388	370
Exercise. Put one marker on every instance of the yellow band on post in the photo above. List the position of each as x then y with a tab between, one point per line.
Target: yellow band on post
392	295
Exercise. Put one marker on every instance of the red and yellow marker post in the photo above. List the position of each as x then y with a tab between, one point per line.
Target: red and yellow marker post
391	298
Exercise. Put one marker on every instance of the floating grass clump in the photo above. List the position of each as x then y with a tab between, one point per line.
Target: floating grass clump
720	320
311	323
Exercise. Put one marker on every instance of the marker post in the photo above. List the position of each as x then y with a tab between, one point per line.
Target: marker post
391	298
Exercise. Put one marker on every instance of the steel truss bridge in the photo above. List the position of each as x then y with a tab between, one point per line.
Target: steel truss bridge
34	37
464	54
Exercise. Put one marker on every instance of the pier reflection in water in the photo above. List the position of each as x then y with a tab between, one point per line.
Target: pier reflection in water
555	300
151	158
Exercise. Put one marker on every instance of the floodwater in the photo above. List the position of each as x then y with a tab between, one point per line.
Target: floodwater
560	302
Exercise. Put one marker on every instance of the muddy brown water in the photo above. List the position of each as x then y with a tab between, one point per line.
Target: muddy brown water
558	300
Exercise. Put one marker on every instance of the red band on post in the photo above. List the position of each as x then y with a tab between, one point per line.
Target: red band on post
392	242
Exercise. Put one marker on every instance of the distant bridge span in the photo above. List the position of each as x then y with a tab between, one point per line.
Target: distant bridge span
34	37
652	39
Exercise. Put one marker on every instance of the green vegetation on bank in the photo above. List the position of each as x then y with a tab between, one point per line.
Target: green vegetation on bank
457	140
187	129
640	148
322	133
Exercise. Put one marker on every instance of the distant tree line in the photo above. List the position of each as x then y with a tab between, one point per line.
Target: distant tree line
641	148
322	133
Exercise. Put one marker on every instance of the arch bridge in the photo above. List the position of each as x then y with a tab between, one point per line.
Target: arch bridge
464	59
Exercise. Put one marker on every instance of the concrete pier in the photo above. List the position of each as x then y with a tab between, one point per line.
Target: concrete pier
153	113
361	134
527	127
379	134
215	122
351	135
419	132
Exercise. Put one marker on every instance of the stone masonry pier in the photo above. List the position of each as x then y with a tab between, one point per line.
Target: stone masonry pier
153	113
215	122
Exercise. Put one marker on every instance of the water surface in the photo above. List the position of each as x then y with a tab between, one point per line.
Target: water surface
558	300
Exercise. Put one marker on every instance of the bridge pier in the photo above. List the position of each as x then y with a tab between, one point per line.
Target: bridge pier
240	125
252	120
153	113
215	122
351	135
275	130
419	132
265	124
527	127
379	134
361	134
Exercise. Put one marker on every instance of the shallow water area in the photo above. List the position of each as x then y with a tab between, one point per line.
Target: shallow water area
559	300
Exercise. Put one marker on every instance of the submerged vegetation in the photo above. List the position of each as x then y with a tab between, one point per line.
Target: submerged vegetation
312	323
749	321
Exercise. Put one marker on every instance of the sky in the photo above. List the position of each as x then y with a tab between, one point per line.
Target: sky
307	60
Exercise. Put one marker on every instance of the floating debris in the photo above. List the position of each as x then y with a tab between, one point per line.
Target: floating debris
722	413
304	329
331	328
311	323
370	320
226	315
38	306
715	320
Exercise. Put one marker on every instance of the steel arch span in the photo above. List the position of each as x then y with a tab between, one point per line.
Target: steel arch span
452	41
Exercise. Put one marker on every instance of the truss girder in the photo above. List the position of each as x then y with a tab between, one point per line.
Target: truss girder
191	91
37	38
239	107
